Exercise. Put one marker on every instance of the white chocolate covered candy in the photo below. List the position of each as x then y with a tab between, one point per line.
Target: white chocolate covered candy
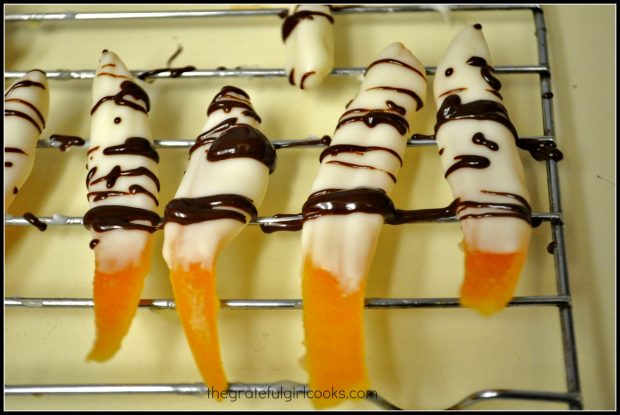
26	105
366	151
478	148
225	180
123	186
345	212
308	36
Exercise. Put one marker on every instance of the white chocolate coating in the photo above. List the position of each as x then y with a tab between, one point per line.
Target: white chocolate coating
310	48
344	244
22	128
455	138
201	242
111	125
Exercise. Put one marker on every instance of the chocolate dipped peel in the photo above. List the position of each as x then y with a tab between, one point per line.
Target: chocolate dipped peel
308	36
225	180
122	192
478	148
26	105
345	212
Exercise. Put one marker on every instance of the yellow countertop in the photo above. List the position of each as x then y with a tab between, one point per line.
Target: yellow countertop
420	358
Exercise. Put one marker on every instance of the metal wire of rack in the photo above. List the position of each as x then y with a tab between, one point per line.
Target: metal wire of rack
562	301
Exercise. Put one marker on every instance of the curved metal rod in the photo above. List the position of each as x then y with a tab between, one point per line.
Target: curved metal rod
491	394
279	390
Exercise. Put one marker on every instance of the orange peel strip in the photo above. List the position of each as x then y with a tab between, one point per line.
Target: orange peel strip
490	279
198	305
334	337
116	296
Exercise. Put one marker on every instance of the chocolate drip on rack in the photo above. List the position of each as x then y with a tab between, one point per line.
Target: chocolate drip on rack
112	217
67	141
34	221
325	140
376	201
186	211
291	21
174	72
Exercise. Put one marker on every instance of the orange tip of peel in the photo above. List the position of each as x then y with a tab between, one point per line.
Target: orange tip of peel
334	338
116	296
197	305
490	279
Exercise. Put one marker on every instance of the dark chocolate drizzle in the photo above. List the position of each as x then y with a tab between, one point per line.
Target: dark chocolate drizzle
209	136
9	113
93	243
243	141
186	211
412	94
137	146
34	221
452	109
133	189
66	141
468	161
127	88
291	77
396	62
29	105
304	77
112	217
8	164
361	166
117	172
24	84
352	148
480	139
485	71
14	150
221	103
15	190
291	21
375	117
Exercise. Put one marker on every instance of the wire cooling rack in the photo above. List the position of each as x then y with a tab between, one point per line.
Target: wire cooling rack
561	301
